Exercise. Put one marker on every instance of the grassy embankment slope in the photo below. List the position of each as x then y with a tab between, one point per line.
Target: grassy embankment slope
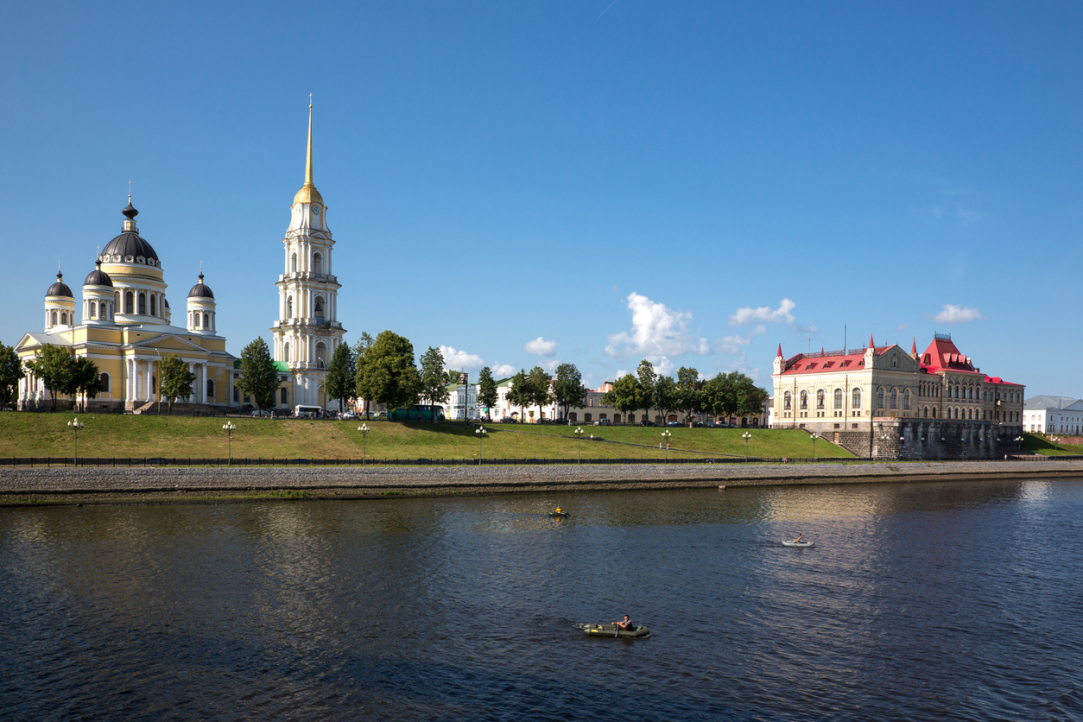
1041	445
111	435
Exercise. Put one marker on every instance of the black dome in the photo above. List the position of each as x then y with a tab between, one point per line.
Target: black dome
98	277
201	290
127	244
59	288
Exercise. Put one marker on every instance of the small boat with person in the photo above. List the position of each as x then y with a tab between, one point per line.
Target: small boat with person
558	513
612	630
800	542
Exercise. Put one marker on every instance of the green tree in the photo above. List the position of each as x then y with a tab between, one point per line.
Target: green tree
718	398
626	395
359	350
52	364
519	393
487	394
85	380
259	375
538	383
11	372
648	379
177	379
665	396
688	392
568	388
340	375
388	374
750	397
434	380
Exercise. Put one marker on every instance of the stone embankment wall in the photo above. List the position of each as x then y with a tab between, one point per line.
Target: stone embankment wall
929	439
158	481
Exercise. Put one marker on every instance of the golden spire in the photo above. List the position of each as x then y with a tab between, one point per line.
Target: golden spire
308	192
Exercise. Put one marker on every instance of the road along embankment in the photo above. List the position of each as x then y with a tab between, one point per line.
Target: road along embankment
76	485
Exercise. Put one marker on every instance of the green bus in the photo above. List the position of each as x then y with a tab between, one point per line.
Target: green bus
418	412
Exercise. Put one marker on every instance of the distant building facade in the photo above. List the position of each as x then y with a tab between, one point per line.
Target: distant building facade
1053	415
882	401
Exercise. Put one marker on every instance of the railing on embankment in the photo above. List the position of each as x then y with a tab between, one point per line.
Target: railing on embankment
152	461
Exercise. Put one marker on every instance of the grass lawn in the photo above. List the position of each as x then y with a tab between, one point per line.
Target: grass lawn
1041	445
115	435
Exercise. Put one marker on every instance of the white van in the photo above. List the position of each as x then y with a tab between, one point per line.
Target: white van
303	412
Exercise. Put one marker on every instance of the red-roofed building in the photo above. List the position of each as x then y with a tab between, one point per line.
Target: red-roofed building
838	393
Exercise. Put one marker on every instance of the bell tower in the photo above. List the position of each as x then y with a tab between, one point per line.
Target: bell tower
307	331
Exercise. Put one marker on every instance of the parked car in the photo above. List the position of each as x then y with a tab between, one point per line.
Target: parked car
348	415
603	422
674	423
508	420
647	422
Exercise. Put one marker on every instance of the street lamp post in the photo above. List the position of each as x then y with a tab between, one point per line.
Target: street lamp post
364	429
481	432
75	425
579	445
746	436
814	437
230	427
665	435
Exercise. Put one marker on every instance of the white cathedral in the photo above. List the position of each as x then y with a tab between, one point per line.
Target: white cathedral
307	331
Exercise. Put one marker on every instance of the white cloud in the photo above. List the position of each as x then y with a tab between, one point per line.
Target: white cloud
460	360
541	347
502	371
951	315
662	365
622	372
748	315
732	344
656	331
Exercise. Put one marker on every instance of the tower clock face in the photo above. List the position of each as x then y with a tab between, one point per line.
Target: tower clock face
316	210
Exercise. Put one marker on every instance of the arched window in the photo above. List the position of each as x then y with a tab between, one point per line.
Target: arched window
210	389
142	304
54	319
894	398
289	307
880	397
786	401
286	352
819	398
317	263
63	318
207	321
319	306
195	320
293	263
804	400
284	398
906	398
838	398
855	402
105	383
129	302
934	412
153	305
321	355
925	412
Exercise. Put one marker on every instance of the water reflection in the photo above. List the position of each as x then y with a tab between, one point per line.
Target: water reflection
918	601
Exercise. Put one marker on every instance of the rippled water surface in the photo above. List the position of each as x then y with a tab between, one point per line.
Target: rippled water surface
921	601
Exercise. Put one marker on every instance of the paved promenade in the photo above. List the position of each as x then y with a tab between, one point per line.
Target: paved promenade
24	484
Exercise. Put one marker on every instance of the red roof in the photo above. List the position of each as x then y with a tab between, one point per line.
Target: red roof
823	362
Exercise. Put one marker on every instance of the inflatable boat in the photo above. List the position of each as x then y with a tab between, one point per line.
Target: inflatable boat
558	513
798	544
611	630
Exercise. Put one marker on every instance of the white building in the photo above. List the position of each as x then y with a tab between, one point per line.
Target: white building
307	331
1053	415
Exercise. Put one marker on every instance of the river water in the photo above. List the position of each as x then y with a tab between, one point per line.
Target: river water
918	602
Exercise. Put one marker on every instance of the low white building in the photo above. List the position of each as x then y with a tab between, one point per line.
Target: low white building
1053	415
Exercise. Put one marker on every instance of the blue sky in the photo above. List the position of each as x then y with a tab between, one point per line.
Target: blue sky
587	182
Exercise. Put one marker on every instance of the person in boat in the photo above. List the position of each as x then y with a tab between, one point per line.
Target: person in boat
800	538
626	625
559	511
